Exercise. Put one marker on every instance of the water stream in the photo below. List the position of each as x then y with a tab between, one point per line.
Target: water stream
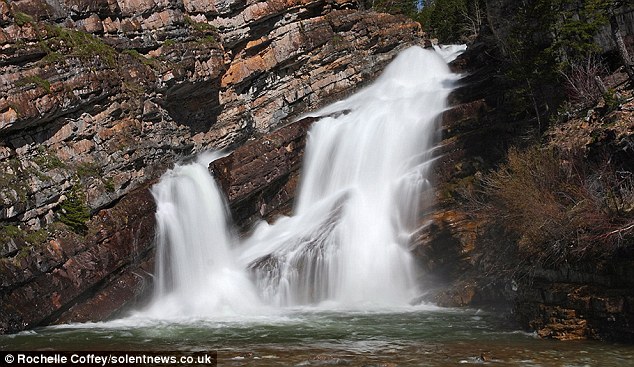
346	245
333	283
363	174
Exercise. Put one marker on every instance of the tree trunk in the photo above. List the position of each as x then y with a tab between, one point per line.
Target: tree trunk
620	44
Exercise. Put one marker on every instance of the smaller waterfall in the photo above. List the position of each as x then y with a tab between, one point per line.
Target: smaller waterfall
197	275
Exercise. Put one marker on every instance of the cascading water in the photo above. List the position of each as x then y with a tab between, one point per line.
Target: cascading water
197	274
343	247
346	245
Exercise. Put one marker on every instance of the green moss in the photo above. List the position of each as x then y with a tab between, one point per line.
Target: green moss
36	237
148	61
47	160
109	184
74	211
10	232
37	80
200	26
81	44
134	53
22	254
88	169
51	57
169	43
135	89
15	180
208	40
22	18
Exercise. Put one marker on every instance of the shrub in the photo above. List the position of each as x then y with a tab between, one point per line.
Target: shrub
74	211
583	82
559	206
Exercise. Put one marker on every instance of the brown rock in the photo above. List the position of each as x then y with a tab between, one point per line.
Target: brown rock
260	177
119	237
133	86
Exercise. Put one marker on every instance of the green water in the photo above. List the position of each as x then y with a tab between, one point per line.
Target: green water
431	337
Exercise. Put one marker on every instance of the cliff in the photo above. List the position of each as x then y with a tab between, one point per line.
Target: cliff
525	219
98	98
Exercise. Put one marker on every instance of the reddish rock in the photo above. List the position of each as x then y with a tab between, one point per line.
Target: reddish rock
109	98
119	238
260	177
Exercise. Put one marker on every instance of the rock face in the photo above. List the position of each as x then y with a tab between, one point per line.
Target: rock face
580	302
98	98
260	178
81	278
577	300
475	136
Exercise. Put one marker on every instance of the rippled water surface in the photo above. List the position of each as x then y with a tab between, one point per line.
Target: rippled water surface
423	337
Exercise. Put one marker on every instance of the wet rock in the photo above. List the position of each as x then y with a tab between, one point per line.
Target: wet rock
102	97
260	178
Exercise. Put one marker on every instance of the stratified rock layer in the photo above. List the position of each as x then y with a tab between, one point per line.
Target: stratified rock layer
98	98
260	178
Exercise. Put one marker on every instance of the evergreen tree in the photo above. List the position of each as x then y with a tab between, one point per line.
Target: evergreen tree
452	21
548	37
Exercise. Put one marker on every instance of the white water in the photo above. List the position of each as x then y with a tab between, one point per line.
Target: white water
346	244
197	275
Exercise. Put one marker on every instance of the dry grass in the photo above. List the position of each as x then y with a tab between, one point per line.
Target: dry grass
560	207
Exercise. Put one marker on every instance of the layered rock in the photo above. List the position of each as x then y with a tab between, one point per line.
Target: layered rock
98	98
81	278
580	301
475	136
261	177
153	82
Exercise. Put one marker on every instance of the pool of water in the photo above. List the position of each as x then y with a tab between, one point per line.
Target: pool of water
413	337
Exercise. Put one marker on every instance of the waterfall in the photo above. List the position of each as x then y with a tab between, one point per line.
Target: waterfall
367	164
197	274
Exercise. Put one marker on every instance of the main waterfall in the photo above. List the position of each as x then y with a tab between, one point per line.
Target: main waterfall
346	245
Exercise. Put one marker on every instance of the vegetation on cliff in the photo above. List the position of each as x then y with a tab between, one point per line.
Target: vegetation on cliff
451	21
567	197
564	190
540	160
559	206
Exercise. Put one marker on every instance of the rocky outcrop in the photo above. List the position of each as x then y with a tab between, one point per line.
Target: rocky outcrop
98	98
81	277
475	137
115	92
261	177
579	302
